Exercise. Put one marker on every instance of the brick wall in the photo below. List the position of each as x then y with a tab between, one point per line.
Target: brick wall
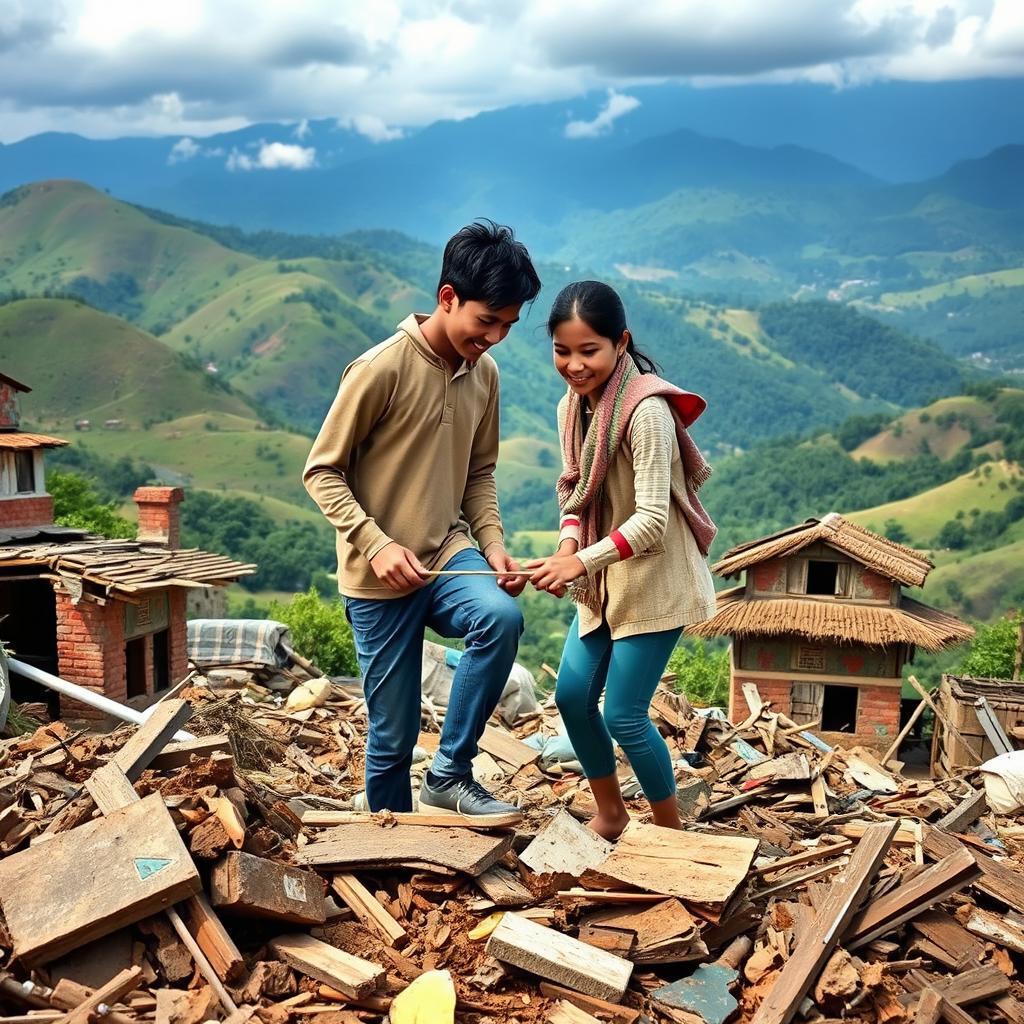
159	515
178	640
90	651
878	708
34	511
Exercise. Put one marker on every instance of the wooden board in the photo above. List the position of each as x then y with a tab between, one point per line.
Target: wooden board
503	887
563	845
348	847
972	807
148	740
560	958
321	819
997	880
368	909
815	945
691	865
665	932
348	974
257	887
177	755
505	747
110	789
931	886
593	1005
102	875
213	939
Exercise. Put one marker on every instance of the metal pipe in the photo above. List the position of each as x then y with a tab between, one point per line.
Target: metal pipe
87	696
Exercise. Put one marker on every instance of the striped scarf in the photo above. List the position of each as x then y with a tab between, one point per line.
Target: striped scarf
587	461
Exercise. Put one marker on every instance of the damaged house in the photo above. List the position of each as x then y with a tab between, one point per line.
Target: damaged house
821	625
108	615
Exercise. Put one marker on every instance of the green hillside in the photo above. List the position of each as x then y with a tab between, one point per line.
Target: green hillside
83	364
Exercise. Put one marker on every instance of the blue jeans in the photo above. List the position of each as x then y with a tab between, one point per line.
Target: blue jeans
389	645
628	671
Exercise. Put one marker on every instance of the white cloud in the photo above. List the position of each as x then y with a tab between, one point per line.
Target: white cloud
374	128
617	105
302	129
273	156
109	68
184	149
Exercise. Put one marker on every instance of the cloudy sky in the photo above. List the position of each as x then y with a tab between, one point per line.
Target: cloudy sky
123	67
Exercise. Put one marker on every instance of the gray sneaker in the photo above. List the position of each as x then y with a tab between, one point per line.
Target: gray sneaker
468	798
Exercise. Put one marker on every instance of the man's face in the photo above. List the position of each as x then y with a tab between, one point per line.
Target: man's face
473	327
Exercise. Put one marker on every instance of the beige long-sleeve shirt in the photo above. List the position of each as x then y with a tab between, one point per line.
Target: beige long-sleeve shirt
665	582
407	454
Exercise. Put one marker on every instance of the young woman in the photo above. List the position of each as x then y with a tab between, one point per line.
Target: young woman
632	545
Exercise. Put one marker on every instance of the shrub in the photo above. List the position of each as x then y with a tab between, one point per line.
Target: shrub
991	653
320	632
702	674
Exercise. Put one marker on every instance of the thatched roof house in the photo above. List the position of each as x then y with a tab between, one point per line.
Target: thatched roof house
821	624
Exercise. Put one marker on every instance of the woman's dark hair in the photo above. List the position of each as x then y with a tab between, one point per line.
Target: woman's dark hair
484	263
601	309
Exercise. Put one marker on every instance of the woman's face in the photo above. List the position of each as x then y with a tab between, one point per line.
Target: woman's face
584	358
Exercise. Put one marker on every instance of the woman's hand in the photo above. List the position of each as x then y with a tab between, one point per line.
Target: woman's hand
556	572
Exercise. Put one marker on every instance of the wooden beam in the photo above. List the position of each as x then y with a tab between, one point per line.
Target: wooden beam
110	789
368	909
505	747
177	755
204	965
213	939
904	732
149	739
997	880
929	1007
559	958
817	943
257	887
322	819
348	974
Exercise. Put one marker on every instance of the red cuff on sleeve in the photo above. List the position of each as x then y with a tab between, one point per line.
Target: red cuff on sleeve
625	551
570	521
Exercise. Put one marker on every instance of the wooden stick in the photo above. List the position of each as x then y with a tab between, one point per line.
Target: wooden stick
477	572
903	732
204	965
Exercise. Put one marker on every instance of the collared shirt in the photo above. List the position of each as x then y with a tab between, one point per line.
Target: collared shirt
407	454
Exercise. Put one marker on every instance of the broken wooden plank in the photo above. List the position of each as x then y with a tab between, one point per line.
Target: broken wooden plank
593	1005
993	928
321	819
503	887
948	936
818	853
213	939
997	880
505	747
348	847
135	864
559	958
665	932
922	892
963	989
815	945
565	846
368	909
148	740
110	789
691	865
177	755
118	986
348	974
254	886
965	813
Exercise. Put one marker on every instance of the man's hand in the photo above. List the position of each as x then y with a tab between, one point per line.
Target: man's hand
398	568
501	561
556	572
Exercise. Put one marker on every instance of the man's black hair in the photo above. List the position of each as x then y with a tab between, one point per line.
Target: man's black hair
484	263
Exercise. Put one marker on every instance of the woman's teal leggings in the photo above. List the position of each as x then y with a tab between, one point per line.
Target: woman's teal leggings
628	671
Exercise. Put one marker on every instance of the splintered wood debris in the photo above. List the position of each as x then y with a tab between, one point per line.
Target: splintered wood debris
232	878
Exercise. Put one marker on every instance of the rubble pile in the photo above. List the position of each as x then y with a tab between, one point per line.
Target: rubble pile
232	876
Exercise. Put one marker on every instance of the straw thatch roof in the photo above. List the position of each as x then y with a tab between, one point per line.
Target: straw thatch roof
892	560
826	619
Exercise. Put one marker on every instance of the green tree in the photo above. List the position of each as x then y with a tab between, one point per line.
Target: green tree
702	674
75	503
320	631
991	653
895	531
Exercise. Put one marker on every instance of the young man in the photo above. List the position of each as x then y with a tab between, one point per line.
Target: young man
403	468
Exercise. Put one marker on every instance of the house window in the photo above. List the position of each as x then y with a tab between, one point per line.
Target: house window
24	472
822	577
839	709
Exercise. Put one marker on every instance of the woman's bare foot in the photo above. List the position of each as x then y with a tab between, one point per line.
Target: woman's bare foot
609	827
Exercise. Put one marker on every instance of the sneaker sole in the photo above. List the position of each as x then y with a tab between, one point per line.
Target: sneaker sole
472	820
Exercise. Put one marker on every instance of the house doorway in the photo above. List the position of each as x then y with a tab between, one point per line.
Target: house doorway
28	628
